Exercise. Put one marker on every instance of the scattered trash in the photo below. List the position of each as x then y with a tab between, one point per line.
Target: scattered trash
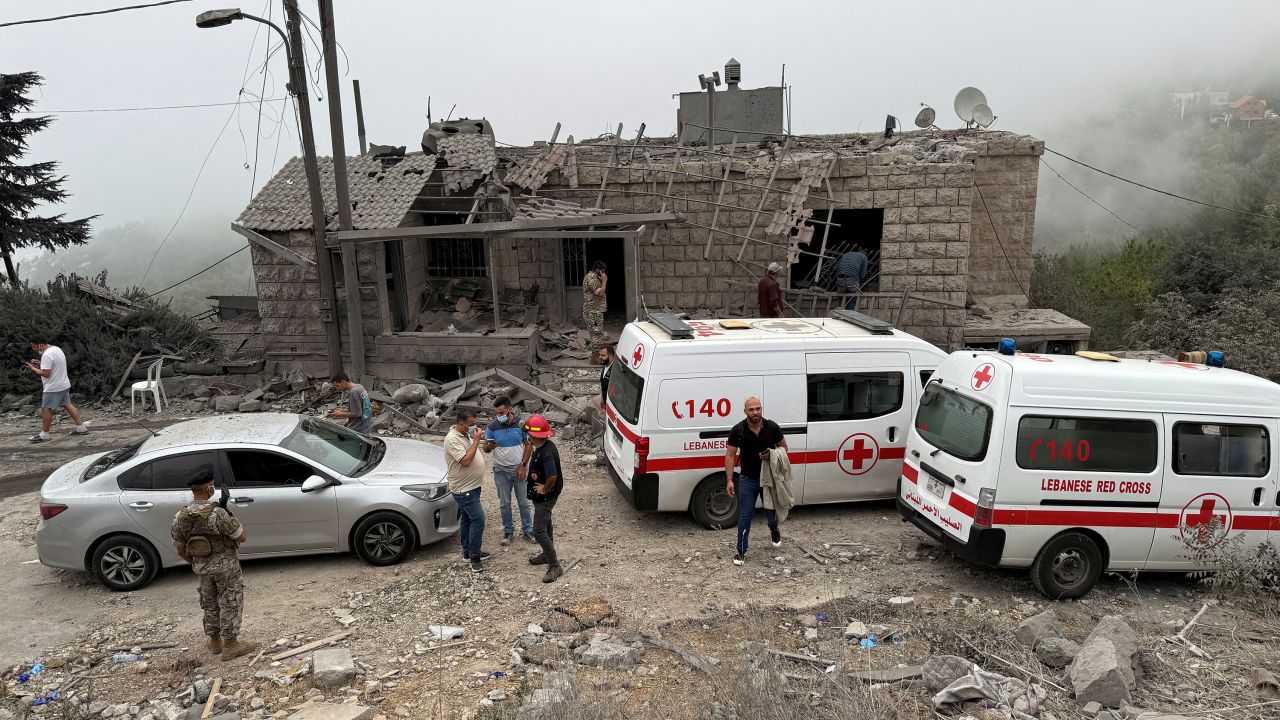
496	674
868	642
822	617
34	671
125	657
445	632
45	699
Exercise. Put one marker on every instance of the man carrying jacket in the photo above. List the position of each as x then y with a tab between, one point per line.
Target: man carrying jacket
749	445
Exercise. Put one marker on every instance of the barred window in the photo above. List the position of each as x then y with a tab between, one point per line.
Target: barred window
575	261
457	257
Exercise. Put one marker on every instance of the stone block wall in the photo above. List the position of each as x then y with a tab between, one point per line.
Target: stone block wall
1006	172
289	302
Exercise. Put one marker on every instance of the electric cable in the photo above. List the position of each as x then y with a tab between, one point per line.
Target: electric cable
108	11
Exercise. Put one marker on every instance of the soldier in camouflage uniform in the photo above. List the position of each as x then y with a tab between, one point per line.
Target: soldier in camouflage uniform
593	301
208	537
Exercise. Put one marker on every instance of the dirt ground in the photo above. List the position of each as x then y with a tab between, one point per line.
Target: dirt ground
662	575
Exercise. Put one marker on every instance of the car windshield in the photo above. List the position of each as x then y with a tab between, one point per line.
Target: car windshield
336	448
112	459
953	423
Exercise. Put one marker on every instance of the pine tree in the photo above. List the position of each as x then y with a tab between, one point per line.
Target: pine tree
24	187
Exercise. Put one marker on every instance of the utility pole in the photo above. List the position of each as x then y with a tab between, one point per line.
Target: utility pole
350	268
324	263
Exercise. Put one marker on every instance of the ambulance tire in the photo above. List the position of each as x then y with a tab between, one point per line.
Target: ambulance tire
711	506
1067	567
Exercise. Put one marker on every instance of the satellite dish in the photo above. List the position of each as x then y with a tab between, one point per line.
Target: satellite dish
966	101
925	117
982	116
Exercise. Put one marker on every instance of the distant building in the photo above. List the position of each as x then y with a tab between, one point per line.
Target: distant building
1249	108
1201	104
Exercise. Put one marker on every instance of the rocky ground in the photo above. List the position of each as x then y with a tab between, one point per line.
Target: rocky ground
652	620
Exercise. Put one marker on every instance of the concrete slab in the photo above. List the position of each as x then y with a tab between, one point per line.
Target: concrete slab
333	711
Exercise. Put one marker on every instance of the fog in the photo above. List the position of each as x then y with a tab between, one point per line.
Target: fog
1063	72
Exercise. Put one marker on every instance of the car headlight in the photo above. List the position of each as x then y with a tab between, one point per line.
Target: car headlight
434	491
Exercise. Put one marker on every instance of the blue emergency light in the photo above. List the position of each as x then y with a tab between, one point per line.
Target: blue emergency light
1216	359
1007	347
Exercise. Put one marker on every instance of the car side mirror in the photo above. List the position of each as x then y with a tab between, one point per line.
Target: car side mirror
313	483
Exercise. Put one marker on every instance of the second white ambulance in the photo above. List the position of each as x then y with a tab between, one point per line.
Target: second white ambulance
841	388
1073	465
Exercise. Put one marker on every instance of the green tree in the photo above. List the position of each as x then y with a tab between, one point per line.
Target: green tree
23	188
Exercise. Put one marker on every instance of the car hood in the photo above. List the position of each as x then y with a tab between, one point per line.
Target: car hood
407	462
68	476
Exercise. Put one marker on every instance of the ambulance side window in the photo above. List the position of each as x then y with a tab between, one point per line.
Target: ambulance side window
853	396
1081	443
1217	449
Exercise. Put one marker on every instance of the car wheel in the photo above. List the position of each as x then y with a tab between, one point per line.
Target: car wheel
384	539
124	563
712	507
1067	566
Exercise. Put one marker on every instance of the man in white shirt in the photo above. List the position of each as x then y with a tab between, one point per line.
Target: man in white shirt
52	369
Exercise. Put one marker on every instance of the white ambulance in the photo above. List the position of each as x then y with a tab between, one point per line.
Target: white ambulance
1072	465
841	388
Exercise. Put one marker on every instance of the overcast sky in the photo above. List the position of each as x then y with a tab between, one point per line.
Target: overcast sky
526	65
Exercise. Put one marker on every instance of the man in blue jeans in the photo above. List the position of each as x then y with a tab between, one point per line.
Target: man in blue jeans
506	441
466	473
749	445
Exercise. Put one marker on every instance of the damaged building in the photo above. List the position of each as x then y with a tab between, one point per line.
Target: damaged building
466	251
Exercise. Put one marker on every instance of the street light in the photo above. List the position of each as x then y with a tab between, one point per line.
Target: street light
226	16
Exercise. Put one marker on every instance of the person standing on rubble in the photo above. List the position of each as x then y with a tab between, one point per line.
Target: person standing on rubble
506	441
208	538
359	410
466	475
545	484
56	385
851	272
749	445
593	301
769	293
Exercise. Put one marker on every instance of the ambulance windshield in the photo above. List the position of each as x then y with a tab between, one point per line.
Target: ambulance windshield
625	390
953	423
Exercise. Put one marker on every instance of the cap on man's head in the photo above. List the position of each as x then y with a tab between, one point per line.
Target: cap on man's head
774	268
202	477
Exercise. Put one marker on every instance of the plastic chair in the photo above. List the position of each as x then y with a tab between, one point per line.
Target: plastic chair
151	385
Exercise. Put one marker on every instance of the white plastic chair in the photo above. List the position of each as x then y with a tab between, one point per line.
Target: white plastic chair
151	385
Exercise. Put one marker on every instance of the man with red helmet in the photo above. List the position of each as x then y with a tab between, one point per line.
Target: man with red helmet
545	484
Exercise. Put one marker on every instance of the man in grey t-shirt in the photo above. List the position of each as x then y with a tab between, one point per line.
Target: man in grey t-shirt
52	369
359	410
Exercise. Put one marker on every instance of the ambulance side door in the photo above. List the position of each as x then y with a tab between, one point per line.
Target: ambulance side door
1220	487
858	407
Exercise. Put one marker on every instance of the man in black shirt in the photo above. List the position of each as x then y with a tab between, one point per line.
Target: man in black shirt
545	484
749	445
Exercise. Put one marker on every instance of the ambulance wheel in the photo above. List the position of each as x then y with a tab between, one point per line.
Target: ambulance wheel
1067	567
712	507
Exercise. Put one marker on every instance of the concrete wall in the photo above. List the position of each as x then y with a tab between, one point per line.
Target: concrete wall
758	112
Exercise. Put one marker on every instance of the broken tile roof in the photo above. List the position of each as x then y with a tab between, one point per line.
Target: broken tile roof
473	151
538	207
382	191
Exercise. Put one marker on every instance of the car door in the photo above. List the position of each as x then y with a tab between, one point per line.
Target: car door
266	495
152	493
1219	489
857	410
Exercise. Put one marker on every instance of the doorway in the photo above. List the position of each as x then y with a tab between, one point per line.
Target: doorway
579	255
856	227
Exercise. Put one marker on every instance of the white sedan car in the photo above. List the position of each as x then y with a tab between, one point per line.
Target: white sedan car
300	485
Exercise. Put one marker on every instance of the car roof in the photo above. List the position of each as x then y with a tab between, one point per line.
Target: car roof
249	429
779	330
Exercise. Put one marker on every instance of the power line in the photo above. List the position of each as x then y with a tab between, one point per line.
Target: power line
135	109
216	264
87	14
1162	192
1106	209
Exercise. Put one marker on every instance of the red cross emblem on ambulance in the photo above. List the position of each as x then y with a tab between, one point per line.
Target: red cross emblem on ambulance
858	454
1205	521
637	356
983	376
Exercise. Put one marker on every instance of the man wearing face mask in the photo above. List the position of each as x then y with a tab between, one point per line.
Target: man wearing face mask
506	440
466	473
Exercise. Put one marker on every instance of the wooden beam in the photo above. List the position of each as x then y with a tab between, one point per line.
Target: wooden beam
272	246
586	234
127	370
213	696
311	646
511	226
538	392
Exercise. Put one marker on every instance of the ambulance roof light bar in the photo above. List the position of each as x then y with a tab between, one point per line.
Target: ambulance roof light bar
875	326
676	328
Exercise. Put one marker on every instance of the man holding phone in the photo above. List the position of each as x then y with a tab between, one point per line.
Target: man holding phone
749	445
466	474
52	369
